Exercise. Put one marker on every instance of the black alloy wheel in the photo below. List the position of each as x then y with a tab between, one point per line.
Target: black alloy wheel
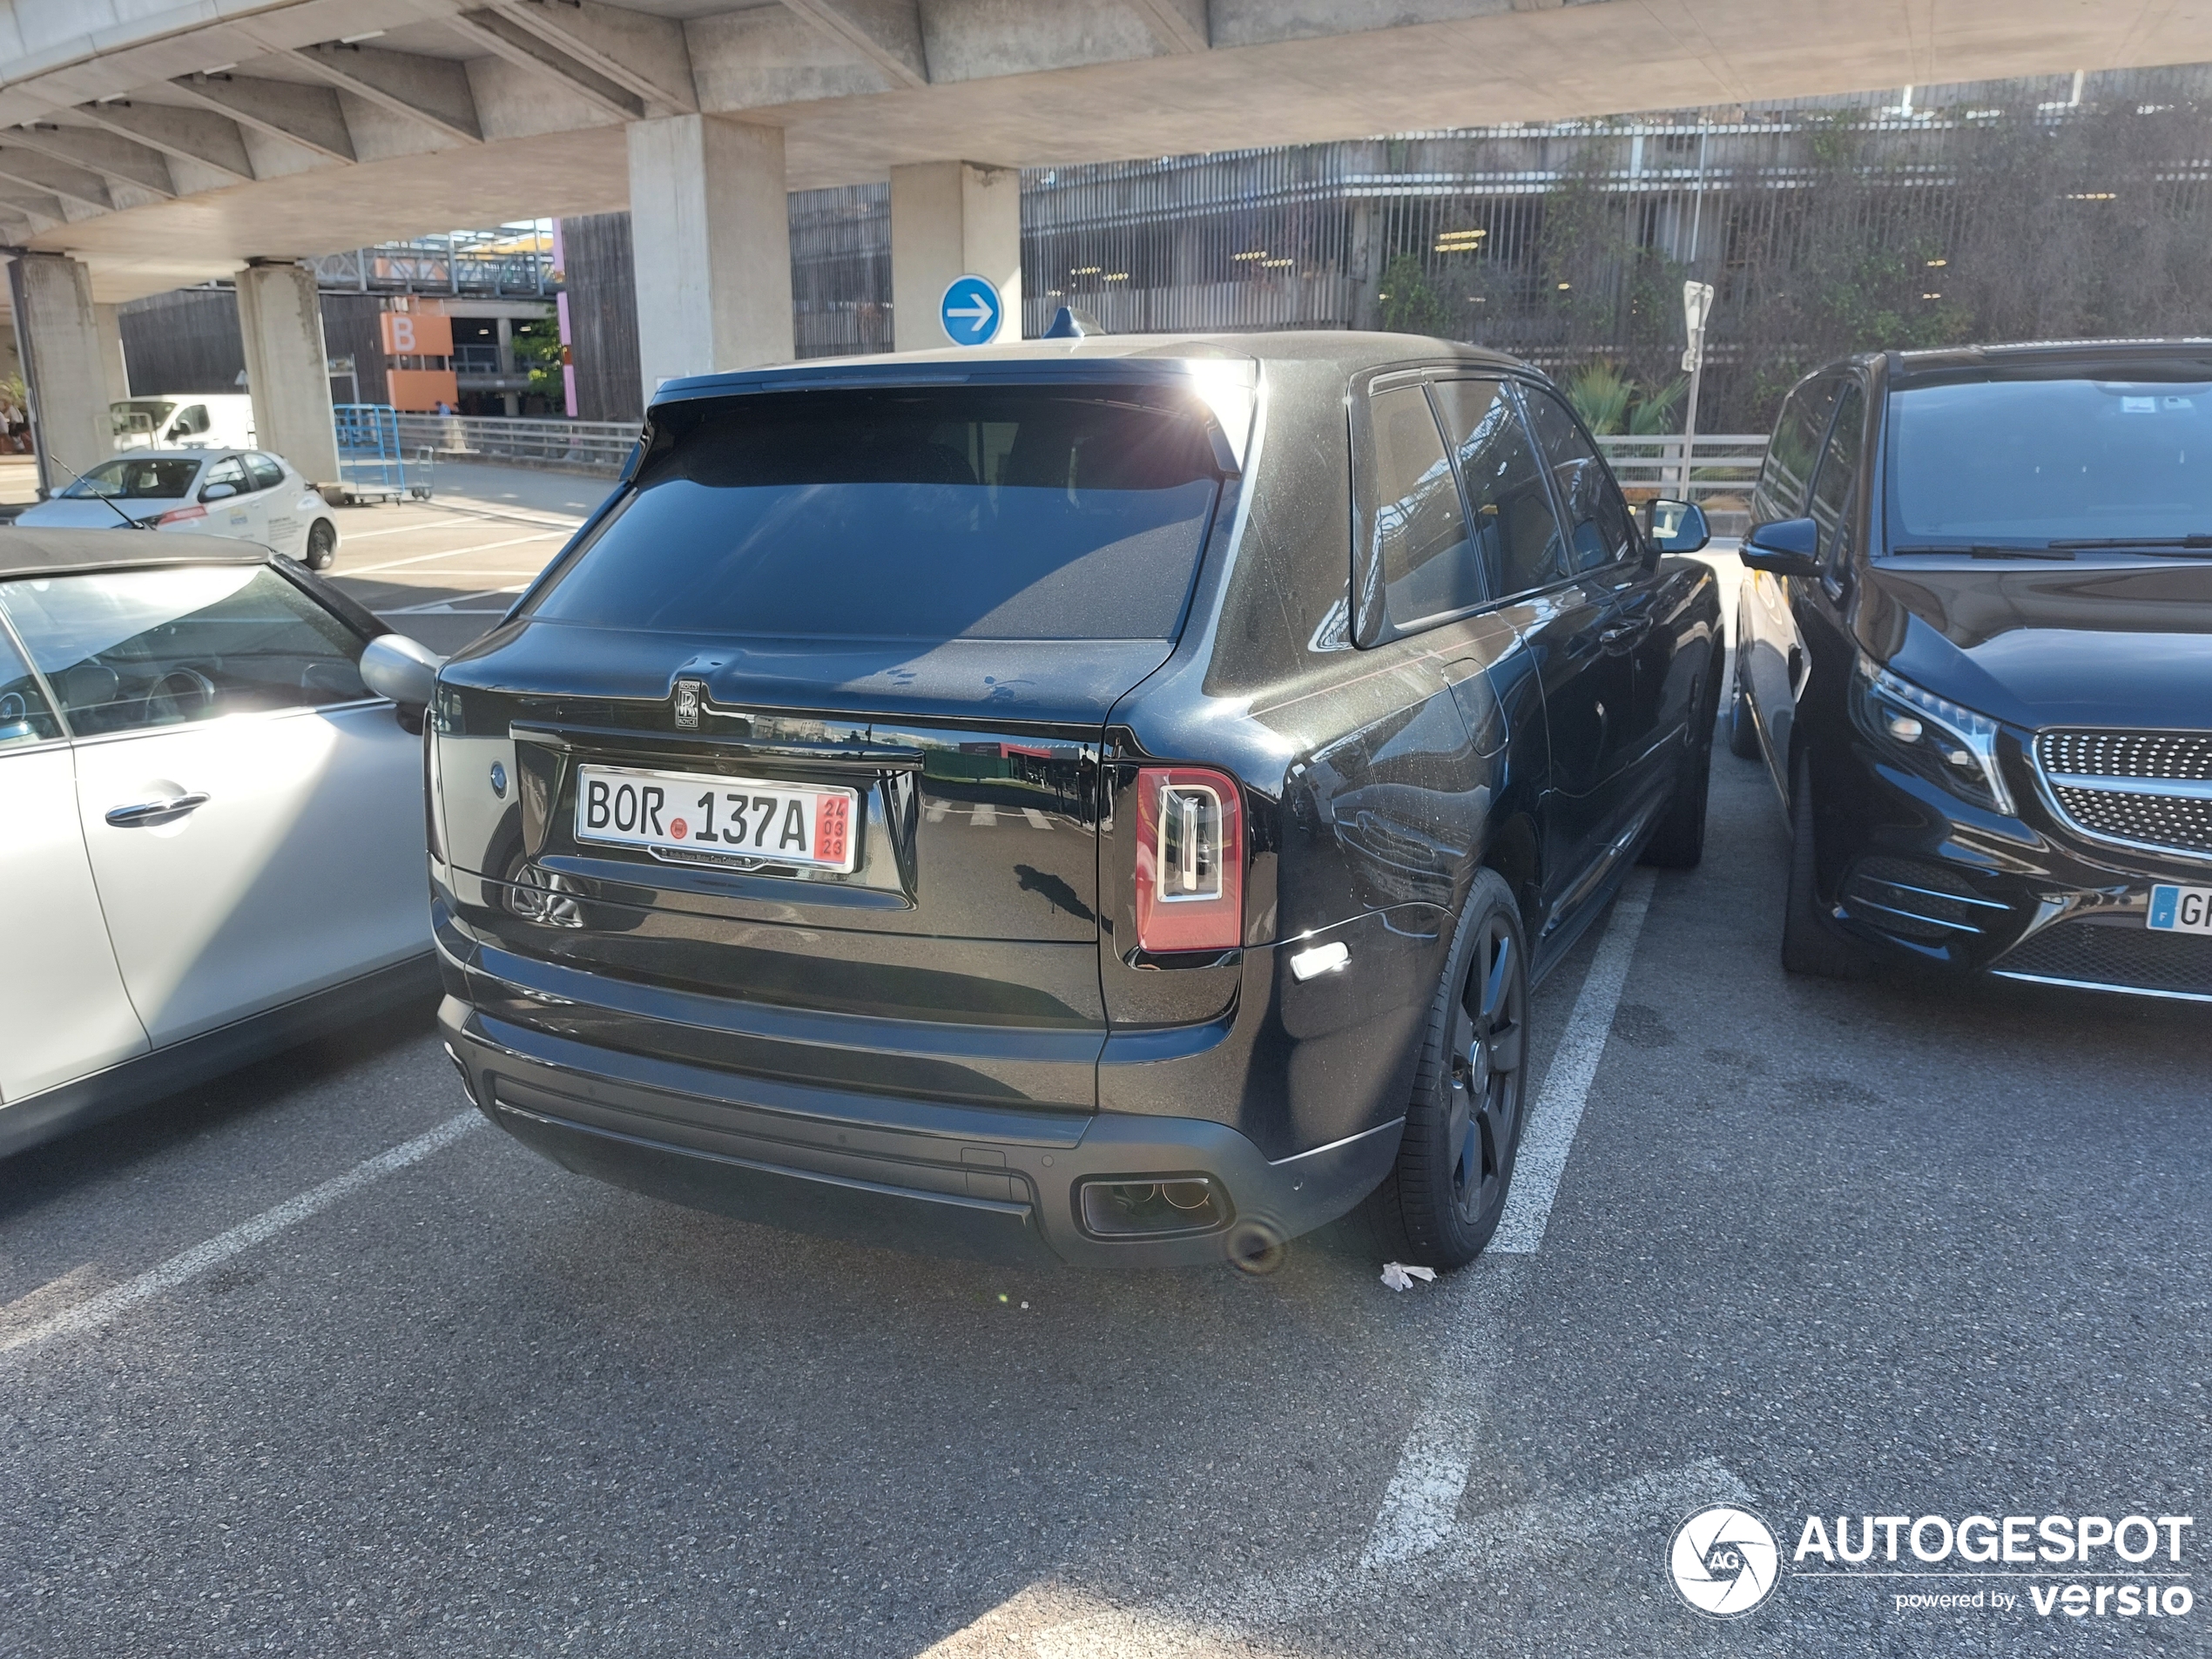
1489	1053
1444	1199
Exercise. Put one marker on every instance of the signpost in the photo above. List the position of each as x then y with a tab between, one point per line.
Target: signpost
971	311
1697	304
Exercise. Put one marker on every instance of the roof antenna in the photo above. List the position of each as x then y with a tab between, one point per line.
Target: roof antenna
135	524
1072	323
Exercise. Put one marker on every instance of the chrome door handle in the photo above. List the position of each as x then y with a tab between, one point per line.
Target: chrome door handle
1625	631
145	814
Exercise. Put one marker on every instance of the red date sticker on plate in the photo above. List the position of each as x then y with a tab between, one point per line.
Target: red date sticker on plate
832	814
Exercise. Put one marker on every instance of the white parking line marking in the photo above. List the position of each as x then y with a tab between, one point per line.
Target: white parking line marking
1558	1112
179	1270
454	604
1036	818
1206	1619
934	812
1422	1501
984	816
450	553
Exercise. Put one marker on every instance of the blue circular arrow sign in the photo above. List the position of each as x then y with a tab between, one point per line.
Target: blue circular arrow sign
971	311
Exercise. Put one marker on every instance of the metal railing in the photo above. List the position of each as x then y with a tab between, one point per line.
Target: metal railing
587	446
1722	466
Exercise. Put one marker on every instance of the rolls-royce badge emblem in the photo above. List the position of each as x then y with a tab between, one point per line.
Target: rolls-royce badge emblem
688	693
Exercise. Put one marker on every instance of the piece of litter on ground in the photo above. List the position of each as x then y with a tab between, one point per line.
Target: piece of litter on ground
1400	1277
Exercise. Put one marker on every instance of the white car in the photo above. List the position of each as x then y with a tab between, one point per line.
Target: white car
247	494
214	844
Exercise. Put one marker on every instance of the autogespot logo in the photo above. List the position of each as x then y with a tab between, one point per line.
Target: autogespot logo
1725	1560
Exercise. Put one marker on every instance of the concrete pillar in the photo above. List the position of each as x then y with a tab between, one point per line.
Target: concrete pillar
710	220
287	367
57	336
108	320
952	219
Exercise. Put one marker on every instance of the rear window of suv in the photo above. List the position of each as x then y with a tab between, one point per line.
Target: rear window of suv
925	513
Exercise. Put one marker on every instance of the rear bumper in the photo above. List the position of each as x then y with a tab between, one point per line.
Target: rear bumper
936	1178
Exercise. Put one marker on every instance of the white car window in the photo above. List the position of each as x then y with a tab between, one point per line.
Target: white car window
265	472
229	470
129	649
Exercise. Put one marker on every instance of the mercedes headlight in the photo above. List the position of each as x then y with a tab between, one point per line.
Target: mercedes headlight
1931	735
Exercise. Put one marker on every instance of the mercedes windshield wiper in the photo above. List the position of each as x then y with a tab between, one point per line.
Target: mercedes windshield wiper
1990	550
2199	543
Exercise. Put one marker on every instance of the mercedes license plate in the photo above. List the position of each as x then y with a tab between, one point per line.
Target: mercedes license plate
2180	910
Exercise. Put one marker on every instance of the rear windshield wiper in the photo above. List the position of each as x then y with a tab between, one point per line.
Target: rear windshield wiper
1987	550
2199	543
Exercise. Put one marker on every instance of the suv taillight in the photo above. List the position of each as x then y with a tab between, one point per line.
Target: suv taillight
1189	860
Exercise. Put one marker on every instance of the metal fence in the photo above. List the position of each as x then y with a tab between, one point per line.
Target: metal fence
1723	467
585	446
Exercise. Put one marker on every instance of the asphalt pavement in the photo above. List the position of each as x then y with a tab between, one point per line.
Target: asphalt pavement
1899	1248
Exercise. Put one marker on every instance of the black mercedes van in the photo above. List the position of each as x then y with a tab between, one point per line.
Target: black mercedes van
1975	650
1102	801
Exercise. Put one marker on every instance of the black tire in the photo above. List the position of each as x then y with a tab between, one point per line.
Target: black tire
1742	735
1811	944
1679	841
1440	1205
322	545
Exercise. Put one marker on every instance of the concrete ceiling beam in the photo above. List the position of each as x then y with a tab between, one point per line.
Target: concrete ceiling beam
119	160
196	135
308	116
434	90
888	33
503	38
41	172
635	49
35	204
1178	25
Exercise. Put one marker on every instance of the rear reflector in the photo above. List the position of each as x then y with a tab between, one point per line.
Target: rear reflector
1189	860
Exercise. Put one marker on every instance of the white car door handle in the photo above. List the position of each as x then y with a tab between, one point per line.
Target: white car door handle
145	814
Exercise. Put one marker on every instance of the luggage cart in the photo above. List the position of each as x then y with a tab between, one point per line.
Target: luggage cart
372	465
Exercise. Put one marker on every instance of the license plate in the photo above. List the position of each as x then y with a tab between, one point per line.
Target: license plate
691	816
2180	910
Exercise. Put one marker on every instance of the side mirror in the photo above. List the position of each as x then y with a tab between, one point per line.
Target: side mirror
1787	547
1675	526
218	492
402	669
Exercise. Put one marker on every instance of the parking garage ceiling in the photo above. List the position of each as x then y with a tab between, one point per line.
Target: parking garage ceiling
168	145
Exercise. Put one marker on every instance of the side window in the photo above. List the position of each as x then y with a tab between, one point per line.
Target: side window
231	472
191	423
1599	531
1516	537
25	716
126	650
265	474
1786	477
1420	537
1831	501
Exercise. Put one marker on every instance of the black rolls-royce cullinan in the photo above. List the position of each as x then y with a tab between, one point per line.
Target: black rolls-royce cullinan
1975	649
1102	800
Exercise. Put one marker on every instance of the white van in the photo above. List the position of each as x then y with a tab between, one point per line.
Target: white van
184	420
